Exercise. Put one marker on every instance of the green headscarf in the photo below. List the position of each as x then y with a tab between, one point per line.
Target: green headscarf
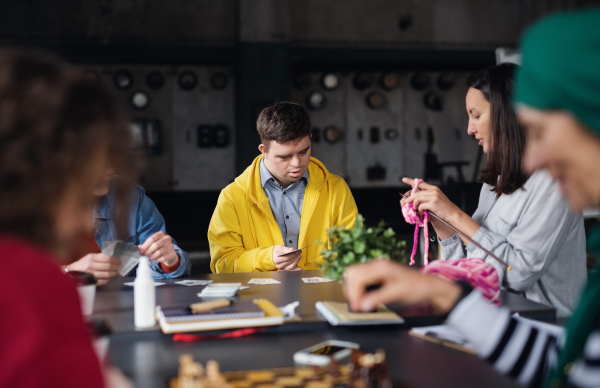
561	66
561	71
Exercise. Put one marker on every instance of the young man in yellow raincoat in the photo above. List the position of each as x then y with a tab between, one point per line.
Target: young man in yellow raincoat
285	200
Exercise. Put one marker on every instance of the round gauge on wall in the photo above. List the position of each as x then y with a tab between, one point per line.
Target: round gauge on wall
420	81
376	100
219	80
301	81
332	134
155	80
316	100
433	101
330	81
123	80
187	80
445	81
140	100
389	81
361	81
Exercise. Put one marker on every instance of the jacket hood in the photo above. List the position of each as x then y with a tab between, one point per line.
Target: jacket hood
249	180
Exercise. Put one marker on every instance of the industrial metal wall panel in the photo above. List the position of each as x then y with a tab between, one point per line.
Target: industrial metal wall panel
199	166
409	24
183	116
382	135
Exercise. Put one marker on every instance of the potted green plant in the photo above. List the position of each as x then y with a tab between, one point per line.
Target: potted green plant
359	245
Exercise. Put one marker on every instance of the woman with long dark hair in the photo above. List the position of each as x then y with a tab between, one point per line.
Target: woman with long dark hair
522	219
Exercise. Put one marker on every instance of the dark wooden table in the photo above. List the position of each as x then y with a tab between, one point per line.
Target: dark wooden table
150	358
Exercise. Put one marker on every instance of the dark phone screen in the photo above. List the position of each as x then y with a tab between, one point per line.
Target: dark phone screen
327	350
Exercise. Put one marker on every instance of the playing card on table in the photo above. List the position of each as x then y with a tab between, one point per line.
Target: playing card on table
190	282
220	290
264	281
317	280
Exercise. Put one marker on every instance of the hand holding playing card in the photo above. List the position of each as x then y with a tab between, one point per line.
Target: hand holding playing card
102	266
285	260
159	247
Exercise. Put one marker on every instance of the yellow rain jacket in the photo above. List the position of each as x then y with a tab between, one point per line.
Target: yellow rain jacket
243	231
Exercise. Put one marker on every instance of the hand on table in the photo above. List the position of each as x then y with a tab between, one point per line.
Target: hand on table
286	263
102	266
159	247
398	284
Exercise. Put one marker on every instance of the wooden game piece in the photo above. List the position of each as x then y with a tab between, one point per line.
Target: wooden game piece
290	381
304	373
240	384
260	376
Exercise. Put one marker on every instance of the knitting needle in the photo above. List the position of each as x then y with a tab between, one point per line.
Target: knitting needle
508	267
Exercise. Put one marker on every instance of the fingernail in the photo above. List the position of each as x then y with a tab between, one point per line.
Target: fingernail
366	305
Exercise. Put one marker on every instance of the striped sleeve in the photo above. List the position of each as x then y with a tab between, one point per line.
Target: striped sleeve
520	348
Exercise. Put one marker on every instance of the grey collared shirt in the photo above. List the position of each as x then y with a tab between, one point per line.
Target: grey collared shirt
286	204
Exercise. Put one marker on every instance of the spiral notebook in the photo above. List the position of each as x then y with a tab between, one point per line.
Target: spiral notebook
246	313
241	309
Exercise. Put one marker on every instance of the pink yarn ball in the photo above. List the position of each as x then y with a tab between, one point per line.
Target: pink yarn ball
476	272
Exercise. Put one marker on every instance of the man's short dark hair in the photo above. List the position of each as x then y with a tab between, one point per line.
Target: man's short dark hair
282	122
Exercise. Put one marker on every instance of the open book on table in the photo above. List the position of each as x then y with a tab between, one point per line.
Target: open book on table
240	314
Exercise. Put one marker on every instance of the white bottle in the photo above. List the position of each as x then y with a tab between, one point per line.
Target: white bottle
144	296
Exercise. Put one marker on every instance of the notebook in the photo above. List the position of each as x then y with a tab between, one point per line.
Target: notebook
259	312
337	314
241	309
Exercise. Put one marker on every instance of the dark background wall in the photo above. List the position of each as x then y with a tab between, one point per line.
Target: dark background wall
262	47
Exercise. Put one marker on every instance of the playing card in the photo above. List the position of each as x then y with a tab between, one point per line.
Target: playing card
220	290
264	281
292	252
127	252
317	280
155	283
190	282
129	259
108	247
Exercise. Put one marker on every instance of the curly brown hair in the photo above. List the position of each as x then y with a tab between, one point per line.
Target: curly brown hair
58	130
282	122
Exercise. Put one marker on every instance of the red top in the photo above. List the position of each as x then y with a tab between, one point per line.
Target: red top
43	338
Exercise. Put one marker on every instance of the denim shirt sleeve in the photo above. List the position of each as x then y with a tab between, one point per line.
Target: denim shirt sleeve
149	221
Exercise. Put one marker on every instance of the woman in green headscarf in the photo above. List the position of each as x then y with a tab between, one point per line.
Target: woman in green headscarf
558	102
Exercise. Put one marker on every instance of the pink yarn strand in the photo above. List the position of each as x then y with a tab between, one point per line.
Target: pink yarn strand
419	220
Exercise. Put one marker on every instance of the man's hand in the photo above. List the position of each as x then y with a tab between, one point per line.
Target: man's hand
399	283
159	247
286	263
102	266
